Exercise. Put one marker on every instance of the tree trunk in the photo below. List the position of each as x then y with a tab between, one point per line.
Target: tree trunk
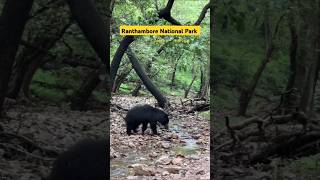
186	93
248	92
162	101
204	83
173	76
31	59
288	104
96	32
124	44
81	96
307	55
94	28
120	79
225	23
136	90
14	16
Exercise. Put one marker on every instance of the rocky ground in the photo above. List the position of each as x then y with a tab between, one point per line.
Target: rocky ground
33	135
182	152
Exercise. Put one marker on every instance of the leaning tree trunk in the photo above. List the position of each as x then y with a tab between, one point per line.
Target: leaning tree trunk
14	16
186	93
136	90
307	59
96	32
31	59
247	93
124	44
162	101
120	79
80	97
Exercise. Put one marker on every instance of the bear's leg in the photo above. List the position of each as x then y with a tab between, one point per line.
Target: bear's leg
153	126
144	127
128	130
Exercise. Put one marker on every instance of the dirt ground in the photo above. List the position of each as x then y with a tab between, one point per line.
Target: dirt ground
32	137
182	152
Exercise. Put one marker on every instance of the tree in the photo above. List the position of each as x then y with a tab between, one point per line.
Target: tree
248	92
165	14
304	55
13	20
97	33
162	101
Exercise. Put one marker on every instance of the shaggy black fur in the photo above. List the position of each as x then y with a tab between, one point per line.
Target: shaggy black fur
145	114
87	160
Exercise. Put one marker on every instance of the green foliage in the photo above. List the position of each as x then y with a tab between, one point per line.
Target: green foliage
187	53
305	165
238	54
49	95
55	87
100	95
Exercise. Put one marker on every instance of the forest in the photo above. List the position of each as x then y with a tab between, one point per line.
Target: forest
170	73
240	101
264	89
54	87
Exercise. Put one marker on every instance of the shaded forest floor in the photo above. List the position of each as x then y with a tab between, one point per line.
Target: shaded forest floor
233	165
182	152
34	135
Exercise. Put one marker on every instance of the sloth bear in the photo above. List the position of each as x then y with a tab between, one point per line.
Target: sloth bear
87	160
145	114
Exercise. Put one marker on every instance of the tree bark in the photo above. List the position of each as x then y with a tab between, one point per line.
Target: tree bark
135	92
97	33
13	20
247	93
93	27
120	79
173	76
124	44
186	93
204	84
30	60
81	96
307	55
288	104
174	70
162	101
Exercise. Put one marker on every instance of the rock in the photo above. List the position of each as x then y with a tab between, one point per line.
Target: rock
194	157
174	136
142	170
174	169
164	160
175	177
165	173
133	177
200	172
113	154
142	159
205	176
196	136
166	145
177	161
131	145
153	155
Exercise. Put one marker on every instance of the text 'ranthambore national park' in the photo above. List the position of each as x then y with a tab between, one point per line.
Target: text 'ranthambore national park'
159	30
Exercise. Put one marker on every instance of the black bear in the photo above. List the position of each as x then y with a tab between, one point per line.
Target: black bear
145	114
87	160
